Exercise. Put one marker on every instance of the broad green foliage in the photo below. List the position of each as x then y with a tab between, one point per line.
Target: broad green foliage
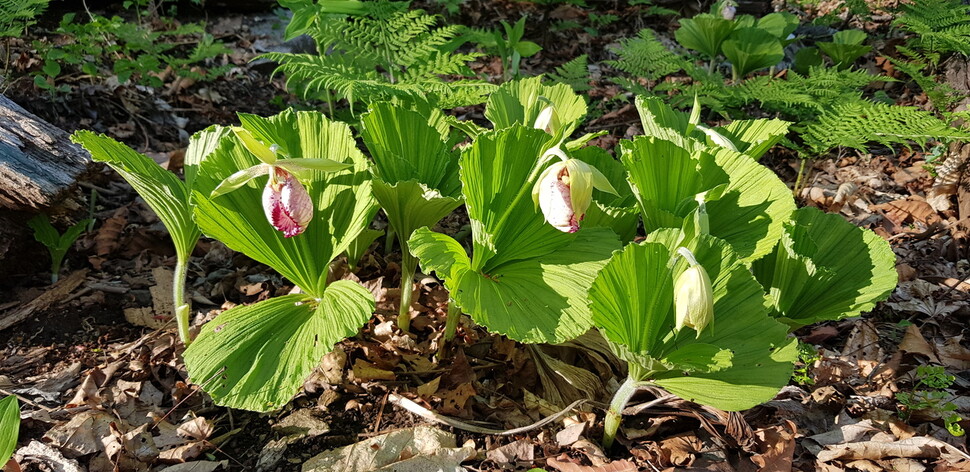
751	137
727	366
845	47
342	200
825	268
9	427
746	202
57	244
704	33
749	49
415	177
165	194
298	329
521	101
525	279
256	357
162	190
382	51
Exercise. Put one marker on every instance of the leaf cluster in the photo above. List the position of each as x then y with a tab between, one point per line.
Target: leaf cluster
57	244
127	50
938	26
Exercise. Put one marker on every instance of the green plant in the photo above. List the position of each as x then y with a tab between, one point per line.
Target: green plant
451	6
166	194
807	355
574	73
936	26
512	48
726	365
15	17
645	56
375	51
9	427
929	394
128	50
257	357
415	178
825	268
846	46
57	244
597	21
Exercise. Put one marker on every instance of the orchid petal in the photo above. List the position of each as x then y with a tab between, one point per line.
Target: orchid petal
239	179
253	145
302	166
287	205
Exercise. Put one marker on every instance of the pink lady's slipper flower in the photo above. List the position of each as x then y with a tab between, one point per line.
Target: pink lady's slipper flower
564	191
286	202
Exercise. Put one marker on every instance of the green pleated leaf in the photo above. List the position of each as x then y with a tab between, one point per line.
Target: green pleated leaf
9	427
704	33
750	49
343	204
410	205
162	190
357	248
825	268
257	357
521	101
755	137
535	300
525	279
741	360
415	169
748	212
405	145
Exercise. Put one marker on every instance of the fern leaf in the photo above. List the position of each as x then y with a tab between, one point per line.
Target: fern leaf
857	124
574	73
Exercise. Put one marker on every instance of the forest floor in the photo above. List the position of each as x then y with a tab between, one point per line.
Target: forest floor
98	368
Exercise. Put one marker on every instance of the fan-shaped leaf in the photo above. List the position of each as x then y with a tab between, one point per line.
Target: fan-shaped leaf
739	361
521	101
825	268
257	357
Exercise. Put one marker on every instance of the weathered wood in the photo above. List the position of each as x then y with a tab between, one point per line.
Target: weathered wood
38	162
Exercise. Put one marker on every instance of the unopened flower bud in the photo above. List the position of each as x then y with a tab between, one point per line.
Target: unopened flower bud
564	191
693	297
728	11
287	204
548	120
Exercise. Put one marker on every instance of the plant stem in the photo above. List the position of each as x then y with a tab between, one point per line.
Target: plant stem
798	180
178	296
451	322
615	414
409	265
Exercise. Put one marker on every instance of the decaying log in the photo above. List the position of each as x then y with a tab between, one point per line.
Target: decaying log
38	162
39	165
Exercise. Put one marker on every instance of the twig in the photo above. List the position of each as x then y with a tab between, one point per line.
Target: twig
435	417
637	409
42	407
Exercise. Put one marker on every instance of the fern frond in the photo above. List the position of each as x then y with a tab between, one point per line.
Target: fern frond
17	15
857	124
574	73
937	25
645	56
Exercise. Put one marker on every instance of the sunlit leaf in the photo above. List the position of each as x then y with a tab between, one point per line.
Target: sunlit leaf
257	357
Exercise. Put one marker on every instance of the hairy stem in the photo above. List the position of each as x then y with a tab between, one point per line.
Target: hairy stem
178	296
451	322
615	414
409	265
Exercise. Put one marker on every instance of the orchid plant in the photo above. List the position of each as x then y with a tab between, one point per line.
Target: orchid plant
165	194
